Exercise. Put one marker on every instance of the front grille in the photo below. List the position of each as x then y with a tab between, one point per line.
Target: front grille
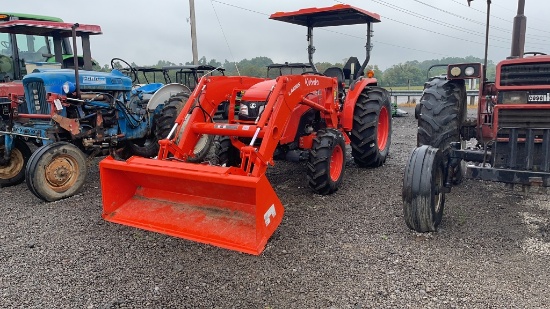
35	97
530	74
524	118
523	149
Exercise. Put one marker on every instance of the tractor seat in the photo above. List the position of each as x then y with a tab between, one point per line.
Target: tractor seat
339	74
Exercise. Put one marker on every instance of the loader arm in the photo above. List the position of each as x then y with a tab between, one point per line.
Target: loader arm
202	104
317	92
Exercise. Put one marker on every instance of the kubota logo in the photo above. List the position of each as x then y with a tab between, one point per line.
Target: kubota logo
270	213
312	82
294	88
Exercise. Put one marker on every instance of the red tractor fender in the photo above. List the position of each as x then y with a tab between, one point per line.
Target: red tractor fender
15	87
351	98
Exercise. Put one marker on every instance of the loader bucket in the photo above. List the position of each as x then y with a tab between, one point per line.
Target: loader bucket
198	202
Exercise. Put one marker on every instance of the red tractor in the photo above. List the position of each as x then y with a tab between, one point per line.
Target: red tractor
229	202
512	129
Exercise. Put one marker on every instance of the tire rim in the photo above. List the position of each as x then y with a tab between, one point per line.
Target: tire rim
383	129
336	161
61	173
16	164
201	144
438	194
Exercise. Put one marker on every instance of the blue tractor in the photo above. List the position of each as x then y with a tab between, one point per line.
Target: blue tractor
73	115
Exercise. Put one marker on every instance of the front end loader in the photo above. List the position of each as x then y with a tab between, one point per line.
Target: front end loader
228	201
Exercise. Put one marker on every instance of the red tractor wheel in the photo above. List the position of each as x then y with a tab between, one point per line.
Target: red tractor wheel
327	161
371	132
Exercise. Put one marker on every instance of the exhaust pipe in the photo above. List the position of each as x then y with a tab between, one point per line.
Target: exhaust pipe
518	33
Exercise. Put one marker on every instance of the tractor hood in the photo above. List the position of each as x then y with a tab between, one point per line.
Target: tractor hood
259	91
54	79
523	73
13	87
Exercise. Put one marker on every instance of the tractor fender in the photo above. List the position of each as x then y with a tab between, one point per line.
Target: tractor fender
351	98
164	93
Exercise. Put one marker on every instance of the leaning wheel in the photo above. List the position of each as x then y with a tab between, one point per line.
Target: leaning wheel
56	171
423	189
13	171
166	122
441	112
371	132
327	161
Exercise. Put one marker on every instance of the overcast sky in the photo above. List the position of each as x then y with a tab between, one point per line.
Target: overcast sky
144	31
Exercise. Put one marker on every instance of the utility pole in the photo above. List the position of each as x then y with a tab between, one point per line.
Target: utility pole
193	32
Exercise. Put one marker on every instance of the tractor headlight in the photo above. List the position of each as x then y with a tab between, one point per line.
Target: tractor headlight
513	97
455	71
469	71
250	110
68	87
243	110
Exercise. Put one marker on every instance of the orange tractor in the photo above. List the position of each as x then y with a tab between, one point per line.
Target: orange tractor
229	202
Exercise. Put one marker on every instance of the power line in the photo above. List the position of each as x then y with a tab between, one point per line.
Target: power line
385	43
446	35
429	19
514	10
226	42
436	21
460	16
506	20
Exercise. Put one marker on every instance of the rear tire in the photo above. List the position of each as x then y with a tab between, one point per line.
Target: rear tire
13	172
423	189
371	132
327	161
56	171
166	122
441	114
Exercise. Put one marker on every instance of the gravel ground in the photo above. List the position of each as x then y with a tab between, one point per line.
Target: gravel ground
348	250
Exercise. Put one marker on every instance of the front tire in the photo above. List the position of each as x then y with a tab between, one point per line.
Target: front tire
166	122
423	189
327	161
13	172
371	132
225	153
56	171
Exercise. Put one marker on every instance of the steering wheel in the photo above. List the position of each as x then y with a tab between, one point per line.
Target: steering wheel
6	44
534	53
128	70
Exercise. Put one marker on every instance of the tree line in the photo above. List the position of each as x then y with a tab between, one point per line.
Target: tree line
409	73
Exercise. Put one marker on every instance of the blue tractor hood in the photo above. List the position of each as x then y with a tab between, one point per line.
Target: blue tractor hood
54	79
